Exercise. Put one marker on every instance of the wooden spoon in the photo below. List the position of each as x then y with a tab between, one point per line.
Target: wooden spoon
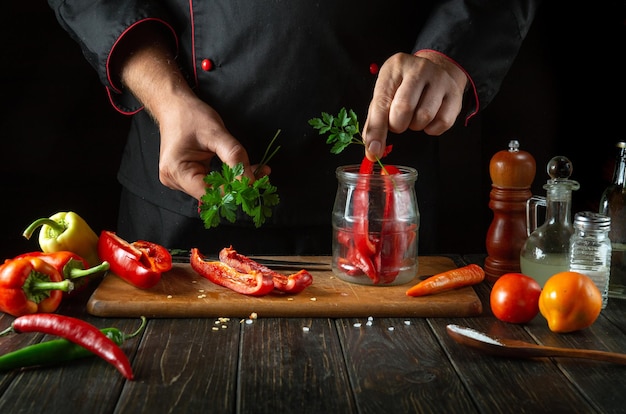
521	349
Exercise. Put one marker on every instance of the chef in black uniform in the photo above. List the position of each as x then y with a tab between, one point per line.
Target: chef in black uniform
212	81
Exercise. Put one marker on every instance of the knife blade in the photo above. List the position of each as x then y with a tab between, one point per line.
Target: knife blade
182	256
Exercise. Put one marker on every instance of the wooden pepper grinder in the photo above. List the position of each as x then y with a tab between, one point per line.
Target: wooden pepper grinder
512	173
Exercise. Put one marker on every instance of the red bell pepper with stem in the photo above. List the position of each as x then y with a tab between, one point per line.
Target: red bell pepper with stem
140	263
71	266
77	331
30	285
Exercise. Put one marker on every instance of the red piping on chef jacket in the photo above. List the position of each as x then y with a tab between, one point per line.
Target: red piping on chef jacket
469	78
114	89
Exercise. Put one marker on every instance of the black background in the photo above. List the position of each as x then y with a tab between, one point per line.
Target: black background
62	141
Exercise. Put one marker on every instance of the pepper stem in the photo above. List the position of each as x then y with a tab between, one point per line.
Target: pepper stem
37	286
7	331
40	286
75	272
138	331
56	226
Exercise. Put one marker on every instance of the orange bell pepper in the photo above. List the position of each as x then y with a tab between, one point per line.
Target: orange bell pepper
570	301
30	285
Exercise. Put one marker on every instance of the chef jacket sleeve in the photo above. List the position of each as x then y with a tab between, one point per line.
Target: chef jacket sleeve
483	37
98	26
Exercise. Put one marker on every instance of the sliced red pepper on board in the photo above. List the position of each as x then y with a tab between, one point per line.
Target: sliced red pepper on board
293	283
139	263
158	256
253	283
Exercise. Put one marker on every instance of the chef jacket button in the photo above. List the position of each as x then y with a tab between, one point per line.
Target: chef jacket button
207	65
373	68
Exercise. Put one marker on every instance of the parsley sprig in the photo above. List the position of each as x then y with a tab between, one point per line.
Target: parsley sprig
342	129
226	193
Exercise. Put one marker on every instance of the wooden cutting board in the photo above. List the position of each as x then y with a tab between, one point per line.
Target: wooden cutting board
183	293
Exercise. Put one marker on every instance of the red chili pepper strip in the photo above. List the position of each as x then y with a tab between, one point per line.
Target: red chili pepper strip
390	255
253	283
134	265
360	227
77	331
293	283
366	249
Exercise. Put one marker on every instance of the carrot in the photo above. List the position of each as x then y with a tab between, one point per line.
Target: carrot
451	279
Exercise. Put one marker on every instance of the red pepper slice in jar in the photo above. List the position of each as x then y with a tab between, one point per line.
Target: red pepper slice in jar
293	283
253	283
389	257
140	263
367	248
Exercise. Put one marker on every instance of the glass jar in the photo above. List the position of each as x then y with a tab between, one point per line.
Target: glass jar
590	250
375	226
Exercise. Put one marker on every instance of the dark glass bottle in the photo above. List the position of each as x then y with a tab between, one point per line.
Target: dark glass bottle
613	204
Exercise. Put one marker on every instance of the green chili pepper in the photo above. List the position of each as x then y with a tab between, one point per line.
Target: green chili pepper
59	350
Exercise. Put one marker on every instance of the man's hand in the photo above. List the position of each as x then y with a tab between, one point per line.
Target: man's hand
421	93
192	133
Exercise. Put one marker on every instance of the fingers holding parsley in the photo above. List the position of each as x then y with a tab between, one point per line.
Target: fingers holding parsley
229	190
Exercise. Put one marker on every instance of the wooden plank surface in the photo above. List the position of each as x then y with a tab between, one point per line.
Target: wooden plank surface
182	293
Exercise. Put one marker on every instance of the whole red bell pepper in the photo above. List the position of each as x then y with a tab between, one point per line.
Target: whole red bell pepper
30	285
253	283
71	266
140	263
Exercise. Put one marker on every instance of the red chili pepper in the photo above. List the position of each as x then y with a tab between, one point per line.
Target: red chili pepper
71	266
77	331
293	283
30	285
253	283
140	263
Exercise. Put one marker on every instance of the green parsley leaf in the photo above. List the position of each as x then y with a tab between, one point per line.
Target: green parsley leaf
342	129
225	194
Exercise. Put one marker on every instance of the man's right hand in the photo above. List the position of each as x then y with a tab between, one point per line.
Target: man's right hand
192	132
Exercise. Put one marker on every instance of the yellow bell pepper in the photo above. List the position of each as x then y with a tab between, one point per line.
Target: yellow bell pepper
66	231
570	301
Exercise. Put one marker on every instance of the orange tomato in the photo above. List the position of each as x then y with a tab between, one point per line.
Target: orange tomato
570	301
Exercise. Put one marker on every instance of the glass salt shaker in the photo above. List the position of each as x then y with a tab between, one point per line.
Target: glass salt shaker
590	249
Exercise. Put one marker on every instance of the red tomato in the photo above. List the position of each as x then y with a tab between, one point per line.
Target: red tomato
515	298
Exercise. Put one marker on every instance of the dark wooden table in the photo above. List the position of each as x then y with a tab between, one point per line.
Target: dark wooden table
320	365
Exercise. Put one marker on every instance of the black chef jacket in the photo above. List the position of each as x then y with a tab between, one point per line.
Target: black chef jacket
274	65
